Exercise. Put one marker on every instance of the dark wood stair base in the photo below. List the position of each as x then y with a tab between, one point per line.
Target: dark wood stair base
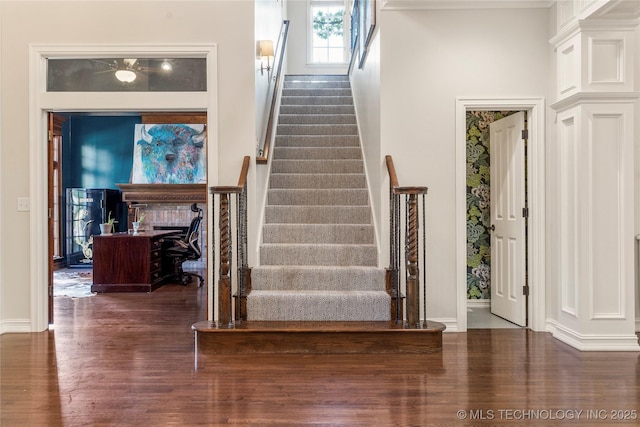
317	338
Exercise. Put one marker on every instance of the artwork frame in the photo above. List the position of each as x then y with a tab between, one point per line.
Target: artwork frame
169	154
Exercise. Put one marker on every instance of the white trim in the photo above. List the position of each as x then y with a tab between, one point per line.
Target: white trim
536	199
478	303
40	102
593	342
451	324
2	292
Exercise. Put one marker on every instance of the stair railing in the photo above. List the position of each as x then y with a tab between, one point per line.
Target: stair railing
227	236
405	221
263	153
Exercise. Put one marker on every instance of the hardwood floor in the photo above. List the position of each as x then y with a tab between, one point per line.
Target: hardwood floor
128	360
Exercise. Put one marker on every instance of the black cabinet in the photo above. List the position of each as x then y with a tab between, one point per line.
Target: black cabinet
86	209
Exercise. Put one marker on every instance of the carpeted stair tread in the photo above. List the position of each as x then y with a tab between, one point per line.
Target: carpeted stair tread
318	254
313	197
318	214
320	109
306	119
316	77
317	129
317	166
325	153
316	100
318	306
317	141
318	233
317	180
331	278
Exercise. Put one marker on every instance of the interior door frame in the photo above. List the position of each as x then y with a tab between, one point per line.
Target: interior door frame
535	165
42	102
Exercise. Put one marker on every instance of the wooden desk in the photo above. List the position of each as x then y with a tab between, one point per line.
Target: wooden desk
125	262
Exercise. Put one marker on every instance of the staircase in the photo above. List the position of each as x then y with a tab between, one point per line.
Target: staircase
318	256
318	288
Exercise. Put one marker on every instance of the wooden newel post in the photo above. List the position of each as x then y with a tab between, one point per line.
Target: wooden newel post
413	278
225	316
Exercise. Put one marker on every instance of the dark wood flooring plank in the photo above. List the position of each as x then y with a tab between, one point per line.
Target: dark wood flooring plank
129	360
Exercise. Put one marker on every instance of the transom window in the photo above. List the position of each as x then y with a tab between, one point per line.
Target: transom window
126	75
327	31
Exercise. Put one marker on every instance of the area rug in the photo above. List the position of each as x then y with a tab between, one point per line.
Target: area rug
73	283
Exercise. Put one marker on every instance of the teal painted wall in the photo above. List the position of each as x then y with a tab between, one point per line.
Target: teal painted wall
98	150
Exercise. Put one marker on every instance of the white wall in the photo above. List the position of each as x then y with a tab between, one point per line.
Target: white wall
365	85
429	59
269	15
297	47
228	24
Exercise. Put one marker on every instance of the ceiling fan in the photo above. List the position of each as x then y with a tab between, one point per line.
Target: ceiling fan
127	70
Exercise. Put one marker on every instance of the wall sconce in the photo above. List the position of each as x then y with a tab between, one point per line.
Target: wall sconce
265	50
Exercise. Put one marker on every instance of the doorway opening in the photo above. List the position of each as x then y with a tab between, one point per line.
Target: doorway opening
44	102
533	246
495	152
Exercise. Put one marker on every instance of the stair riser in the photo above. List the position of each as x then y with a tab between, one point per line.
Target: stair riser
316	100
317	141
316	109
315	153
317	85
316	77
317	166
342	255
306	119
326	129
312	197
318	214
297	180
315	233
314	307
318	278
317	92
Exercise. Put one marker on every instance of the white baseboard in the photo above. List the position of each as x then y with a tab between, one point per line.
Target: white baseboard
478	303
15	326
592	342
450	323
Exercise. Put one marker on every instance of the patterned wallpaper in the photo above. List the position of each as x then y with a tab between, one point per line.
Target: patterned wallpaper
478	202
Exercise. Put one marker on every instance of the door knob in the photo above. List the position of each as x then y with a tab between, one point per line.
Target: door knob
493	227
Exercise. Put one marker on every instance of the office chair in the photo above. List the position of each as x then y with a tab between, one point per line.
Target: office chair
186	248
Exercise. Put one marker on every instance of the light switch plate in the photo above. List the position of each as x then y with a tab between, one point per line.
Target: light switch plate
23	204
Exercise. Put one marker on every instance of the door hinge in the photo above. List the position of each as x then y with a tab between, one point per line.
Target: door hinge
525	212
525	290
525	134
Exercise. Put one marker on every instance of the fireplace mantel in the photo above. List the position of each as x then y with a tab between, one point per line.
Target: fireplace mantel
163	193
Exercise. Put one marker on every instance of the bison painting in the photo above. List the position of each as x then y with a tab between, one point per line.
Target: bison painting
169	154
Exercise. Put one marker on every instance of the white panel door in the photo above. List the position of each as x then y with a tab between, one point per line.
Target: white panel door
508	243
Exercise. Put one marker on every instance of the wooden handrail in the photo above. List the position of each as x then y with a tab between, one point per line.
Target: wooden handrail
242	180
264	156
393	181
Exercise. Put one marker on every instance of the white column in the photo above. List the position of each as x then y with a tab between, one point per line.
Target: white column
596	131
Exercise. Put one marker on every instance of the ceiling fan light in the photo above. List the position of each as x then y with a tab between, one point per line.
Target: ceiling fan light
166	66
125	76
